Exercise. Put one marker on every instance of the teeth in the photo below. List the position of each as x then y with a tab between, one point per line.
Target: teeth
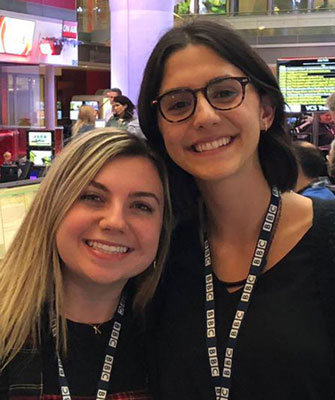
212	145
107	249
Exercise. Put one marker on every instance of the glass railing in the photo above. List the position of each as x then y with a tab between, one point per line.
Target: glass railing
235	8
94	20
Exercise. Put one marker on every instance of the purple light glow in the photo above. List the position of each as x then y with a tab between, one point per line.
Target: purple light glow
136	25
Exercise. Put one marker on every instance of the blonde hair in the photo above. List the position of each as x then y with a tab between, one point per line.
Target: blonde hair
330	102
30	275
86	116
331	160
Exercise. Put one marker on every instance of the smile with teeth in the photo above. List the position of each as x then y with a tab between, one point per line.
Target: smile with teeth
215	144
104	248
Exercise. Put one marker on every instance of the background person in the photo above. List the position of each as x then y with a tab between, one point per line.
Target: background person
331	105
123	116
331	160
326	128
240	308
312	176
85	122
111	94
81	269
7	158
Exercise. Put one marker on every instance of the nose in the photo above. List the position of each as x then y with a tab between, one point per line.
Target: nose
205	116
113	218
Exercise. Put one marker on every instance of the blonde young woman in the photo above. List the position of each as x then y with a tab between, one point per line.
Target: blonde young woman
84	263
86	120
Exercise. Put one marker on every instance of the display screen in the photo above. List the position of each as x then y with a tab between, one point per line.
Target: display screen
93	103
76	104
40	139
40	157
306	83
74	109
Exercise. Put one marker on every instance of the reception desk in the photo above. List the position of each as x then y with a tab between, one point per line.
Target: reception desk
15	199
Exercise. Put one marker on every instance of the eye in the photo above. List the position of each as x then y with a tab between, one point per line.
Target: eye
178	105
177	102
91	198
224	93
142	207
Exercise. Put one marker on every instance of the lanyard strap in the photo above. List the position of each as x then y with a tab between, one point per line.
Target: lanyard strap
103	383
222	382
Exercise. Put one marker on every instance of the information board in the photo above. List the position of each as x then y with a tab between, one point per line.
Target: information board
306	83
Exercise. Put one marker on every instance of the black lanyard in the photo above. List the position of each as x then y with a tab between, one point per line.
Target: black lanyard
103	383
222	382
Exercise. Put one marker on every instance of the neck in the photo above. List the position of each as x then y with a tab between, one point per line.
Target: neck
236	207
90	305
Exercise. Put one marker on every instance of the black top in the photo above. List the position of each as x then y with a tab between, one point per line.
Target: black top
86	353
33	372
284	349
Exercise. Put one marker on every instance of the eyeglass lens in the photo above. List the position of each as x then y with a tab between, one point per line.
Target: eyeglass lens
222	94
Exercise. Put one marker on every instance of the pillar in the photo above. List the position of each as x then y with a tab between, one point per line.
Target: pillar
136	26
49	100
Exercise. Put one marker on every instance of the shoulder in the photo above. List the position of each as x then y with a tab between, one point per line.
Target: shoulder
317	214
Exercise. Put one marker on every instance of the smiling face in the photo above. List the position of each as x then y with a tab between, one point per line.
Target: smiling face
111	233
212	144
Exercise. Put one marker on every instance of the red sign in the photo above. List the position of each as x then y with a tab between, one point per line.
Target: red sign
69	4
70	29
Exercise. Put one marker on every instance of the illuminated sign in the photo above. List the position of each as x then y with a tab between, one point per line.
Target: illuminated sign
16	36
306	83
40	139
70	29
50	46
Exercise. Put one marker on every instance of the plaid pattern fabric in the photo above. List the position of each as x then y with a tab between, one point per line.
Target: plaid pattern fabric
13	384
134	395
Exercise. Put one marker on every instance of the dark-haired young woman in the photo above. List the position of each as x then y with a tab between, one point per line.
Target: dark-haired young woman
246	308
123	116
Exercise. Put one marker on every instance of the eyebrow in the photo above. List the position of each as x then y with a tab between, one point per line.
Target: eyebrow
98	185
102	187
145	194
207	83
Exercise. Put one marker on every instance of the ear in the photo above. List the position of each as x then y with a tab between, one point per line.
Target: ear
267	113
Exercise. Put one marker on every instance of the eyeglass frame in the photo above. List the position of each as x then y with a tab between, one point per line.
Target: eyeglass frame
243	80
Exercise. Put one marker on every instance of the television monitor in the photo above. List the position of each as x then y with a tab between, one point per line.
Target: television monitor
306	83
92	103
40	157
74	109
76	104
40	138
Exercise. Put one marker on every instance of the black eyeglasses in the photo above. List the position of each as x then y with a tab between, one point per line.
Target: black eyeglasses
221	93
